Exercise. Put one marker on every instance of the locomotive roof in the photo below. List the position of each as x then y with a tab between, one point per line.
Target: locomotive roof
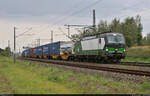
102	33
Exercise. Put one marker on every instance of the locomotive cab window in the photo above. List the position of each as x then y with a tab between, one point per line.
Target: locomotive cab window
115	39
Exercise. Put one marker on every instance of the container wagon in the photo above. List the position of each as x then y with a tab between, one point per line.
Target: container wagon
62	50
59	50
38	52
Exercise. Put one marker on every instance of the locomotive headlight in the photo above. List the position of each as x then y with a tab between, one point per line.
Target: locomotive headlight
116	49
124	50
106	49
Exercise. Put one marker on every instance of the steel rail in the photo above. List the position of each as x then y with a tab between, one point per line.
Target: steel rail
134	64
93	67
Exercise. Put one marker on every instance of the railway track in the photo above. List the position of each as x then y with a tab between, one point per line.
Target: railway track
92	66
134	64
129	64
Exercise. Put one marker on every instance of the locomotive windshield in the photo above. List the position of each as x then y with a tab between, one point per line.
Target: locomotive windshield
115	38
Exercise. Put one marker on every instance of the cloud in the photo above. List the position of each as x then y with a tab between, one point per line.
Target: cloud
42	15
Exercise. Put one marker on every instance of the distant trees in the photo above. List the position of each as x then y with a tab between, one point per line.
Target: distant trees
1	50
130	27
5	52
146	40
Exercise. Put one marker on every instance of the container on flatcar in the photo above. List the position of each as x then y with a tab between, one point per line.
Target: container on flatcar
66	47
31	52
27	53
23	53
46	51
38	51
55	48
61	50
61	47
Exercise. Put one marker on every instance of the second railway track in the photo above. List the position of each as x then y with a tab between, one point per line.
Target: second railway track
93	67
135	64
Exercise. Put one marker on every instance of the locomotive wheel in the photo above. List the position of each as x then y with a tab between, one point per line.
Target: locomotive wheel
116	61
59	58
70	59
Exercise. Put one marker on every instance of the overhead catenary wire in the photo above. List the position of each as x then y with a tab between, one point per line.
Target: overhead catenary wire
63	19
77	12
133	5
73	13
71	10
24	32
68	11
125	8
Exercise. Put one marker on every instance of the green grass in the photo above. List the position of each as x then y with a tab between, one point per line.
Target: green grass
133	59
4	85
32	78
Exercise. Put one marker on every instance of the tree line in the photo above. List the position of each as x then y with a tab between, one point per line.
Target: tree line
5	52
130	27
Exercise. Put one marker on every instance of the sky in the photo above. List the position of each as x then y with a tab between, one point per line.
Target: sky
37	18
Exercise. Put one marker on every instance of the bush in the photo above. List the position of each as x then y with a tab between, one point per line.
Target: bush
139	52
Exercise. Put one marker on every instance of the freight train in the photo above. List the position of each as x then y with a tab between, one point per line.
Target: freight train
103	47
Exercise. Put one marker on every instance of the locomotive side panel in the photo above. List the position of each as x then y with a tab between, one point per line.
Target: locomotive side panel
92	44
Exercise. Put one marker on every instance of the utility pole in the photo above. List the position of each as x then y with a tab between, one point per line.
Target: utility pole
94	21
51	36
52	39
19	51
85	26
14	44
9	48
35	43
39	42
68	30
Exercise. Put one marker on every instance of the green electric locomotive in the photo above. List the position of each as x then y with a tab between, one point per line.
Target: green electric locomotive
107	47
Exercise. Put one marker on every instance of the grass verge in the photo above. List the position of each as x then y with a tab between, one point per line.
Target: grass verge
133	59
31	78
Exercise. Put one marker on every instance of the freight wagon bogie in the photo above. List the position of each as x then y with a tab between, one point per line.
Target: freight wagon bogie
62	57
